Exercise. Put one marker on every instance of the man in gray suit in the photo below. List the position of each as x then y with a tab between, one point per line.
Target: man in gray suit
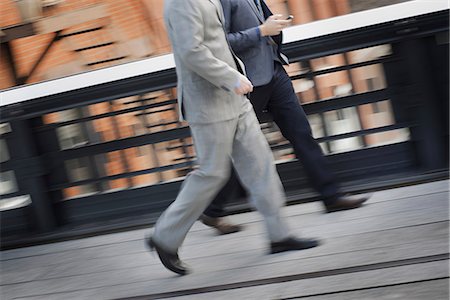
255	36
224	128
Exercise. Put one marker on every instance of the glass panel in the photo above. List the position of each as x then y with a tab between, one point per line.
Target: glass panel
284	155
316	125
4	128
368	54
143	158
342	121
77	170
324	148
296	68
345	145
304	88
376	114
4	153
105	129
388	137
71	136
79	191
333	84
8	183
147	179
327	62
115	163
368	78
14	202
163	115
51	118
281	148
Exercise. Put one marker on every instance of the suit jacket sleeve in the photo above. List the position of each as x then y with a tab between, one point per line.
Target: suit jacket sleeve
186	22
240	40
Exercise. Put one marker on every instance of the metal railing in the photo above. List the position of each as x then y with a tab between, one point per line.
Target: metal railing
114	150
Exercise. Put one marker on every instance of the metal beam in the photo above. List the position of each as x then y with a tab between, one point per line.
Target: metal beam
6	48
17	31
23	80
70	19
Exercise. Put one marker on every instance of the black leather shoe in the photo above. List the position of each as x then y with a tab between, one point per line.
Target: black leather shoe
219	224
169	260
293	244
346	202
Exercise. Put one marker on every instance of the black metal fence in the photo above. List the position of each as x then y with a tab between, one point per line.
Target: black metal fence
113	155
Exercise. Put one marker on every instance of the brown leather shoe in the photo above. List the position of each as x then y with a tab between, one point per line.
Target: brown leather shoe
220	224
346	202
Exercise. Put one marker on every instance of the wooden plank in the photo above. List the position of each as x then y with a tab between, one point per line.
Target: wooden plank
211	271
209	245
382	232
430	290
27	271
69	19
414	190
395	288
298	288
330	227
377	204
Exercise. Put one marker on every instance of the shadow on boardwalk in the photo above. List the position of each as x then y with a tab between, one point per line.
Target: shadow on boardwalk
395	247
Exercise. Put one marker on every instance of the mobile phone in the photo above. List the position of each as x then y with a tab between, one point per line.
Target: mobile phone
290	17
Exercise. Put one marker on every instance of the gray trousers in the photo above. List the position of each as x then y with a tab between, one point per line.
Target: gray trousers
238	141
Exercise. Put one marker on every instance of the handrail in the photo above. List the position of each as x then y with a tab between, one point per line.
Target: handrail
363	19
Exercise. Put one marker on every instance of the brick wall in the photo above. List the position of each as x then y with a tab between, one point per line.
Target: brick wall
138	25
125	23
358	5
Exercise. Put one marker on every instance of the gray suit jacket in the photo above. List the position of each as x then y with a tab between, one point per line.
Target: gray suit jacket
206	68
242	19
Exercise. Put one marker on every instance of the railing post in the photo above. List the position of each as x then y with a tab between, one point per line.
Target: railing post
29	174
412	80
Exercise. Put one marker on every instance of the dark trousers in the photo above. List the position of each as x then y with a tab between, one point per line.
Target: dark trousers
279	99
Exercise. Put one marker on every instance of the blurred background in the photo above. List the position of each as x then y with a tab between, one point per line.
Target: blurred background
113	156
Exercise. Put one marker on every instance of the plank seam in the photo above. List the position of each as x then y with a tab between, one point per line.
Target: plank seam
365	288
281	279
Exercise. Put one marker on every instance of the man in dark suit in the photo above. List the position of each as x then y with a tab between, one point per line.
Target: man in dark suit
211	88
255	35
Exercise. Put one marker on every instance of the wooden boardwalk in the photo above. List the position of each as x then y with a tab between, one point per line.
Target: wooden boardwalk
395	247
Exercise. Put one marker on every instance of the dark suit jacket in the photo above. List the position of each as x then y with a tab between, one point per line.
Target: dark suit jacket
242	19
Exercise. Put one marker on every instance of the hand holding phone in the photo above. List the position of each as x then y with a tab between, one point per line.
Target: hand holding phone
274	25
